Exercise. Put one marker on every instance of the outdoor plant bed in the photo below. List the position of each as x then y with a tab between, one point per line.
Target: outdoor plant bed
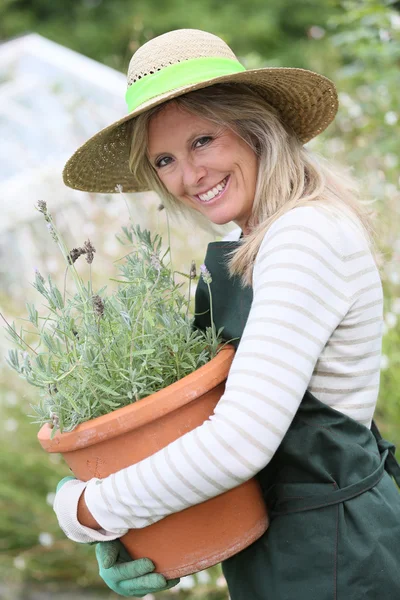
219	527
121	376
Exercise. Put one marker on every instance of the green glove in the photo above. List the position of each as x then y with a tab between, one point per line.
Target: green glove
128	577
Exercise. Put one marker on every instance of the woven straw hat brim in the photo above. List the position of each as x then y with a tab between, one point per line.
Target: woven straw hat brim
307	102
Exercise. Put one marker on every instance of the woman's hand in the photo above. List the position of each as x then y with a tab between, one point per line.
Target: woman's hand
128	577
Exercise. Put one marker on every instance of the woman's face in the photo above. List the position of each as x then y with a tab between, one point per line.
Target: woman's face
206	167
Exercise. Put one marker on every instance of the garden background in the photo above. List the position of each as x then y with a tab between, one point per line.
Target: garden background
355	43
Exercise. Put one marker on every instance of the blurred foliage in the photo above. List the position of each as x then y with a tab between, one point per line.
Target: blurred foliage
272	31
357	44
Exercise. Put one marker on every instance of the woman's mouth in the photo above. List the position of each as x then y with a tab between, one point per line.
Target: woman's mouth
215	192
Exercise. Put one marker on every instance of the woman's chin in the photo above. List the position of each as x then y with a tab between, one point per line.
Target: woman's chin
219	220
219	217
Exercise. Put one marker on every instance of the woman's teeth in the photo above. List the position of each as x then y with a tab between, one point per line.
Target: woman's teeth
215	191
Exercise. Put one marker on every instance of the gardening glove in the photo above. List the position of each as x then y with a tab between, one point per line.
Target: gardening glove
129	577
68	492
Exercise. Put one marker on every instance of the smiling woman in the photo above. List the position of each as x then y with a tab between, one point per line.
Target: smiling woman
208	168
297	412
272	171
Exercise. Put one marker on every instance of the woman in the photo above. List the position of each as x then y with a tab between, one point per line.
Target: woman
227	145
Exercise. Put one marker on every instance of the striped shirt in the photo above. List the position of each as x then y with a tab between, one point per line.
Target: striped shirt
315	323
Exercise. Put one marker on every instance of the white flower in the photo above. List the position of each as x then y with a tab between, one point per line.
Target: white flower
355	110
345	99
50	498
10	425
391	320
394	276
391	161
19	563
187	583
316	32
384	35
46	539
391	190
395	20
391	118
203	577
384	361
335	145
396	306
221	582
11	398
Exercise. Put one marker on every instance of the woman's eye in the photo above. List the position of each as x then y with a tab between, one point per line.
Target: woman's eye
202	141
163	161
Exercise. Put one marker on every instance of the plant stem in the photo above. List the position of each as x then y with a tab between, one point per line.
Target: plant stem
13	330
211	313
65	283
169	245
90	279
188	303
140	314
65	289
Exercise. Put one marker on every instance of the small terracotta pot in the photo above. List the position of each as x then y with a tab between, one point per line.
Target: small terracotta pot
197	537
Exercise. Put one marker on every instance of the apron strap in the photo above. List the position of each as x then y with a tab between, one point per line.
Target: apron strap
287	505
391	465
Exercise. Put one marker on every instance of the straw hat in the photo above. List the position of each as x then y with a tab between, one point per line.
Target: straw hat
182	61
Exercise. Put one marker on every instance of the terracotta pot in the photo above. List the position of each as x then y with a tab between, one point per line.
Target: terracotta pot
219	527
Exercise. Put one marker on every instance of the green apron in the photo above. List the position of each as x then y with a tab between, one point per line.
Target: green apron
335	510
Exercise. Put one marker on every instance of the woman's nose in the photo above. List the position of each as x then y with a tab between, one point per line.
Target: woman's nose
192	174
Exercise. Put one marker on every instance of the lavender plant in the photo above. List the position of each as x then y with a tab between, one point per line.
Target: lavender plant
97	352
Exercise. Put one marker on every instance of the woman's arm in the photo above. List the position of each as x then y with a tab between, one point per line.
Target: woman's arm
300	296
85	517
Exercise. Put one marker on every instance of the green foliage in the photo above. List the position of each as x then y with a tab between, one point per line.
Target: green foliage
98	352
275	31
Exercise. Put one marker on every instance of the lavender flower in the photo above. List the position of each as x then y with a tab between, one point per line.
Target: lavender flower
75	254
55	420
39	276
53	232
98	305
42	207
205	274
155	262
89	249
193	272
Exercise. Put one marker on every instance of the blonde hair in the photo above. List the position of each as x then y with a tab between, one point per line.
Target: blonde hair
289	175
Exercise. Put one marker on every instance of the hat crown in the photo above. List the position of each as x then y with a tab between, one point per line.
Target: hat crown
174	47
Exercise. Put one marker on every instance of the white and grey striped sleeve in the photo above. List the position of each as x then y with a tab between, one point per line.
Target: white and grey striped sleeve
300	296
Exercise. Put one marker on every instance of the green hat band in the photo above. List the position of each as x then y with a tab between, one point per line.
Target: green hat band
187	72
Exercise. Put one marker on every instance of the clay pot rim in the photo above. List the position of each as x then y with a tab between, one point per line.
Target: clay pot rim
140	413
